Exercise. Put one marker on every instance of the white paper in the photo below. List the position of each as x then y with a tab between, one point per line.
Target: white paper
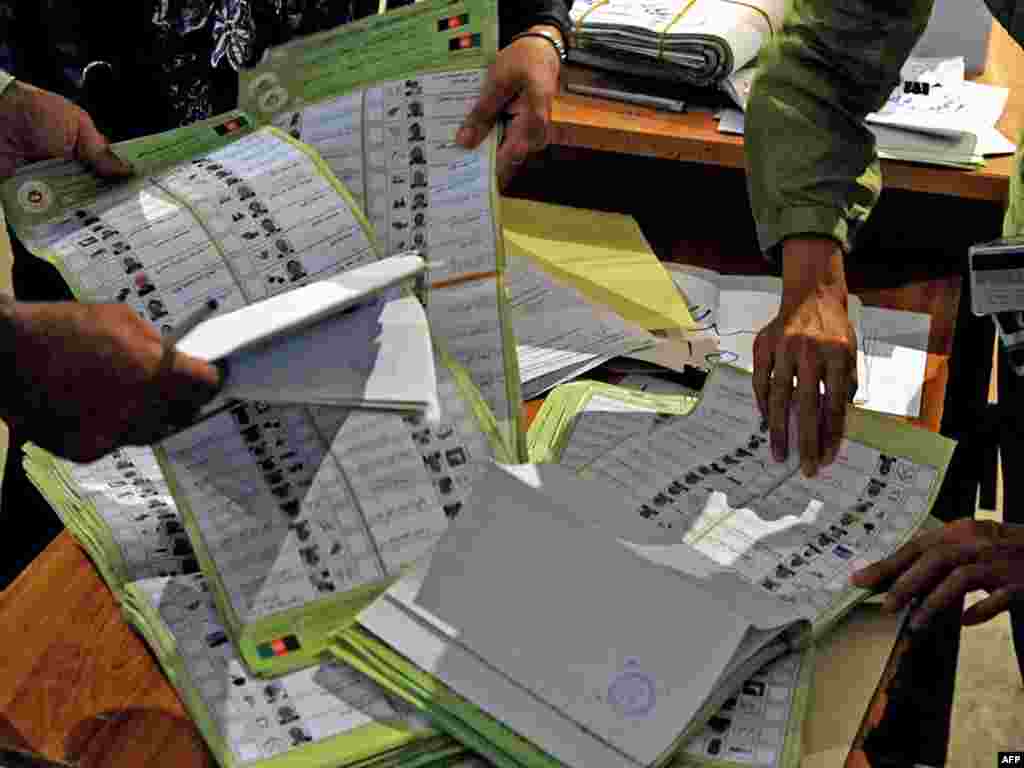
581	659
895	347
796	539
379	355
559	334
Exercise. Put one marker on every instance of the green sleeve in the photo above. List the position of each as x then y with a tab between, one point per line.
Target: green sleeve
5	80
1009	13
812	164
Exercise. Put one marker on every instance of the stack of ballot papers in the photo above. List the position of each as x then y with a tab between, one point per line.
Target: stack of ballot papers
699	43
933	116
121	512
326	715
545	665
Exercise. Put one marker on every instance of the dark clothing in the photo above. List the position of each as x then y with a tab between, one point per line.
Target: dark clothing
141	67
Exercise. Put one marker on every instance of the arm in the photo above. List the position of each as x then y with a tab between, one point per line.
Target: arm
522	82
83	379
87	378
813	178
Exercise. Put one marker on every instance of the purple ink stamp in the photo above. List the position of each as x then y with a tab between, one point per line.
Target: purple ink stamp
632	693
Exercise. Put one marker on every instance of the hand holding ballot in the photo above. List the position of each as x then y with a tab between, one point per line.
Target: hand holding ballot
37	125
943	565
522	82
88	378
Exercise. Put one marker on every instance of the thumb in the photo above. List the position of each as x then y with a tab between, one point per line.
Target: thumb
93	149
498	90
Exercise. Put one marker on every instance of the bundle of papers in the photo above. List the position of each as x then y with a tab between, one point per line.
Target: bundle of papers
120	511
933	116
753	548
588	689
699	42
327	715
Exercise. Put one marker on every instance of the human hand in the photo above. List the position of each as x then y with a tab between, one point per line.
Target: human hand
38	125
91	377
523	82
812	339
943	565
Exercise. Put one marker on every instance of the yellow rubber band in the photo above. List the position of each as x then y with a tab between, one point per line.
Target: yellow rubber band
579	22
661	37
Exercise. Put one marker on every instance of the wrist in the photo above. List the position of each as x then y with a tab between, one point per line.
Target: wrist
550	29
812	266
547	35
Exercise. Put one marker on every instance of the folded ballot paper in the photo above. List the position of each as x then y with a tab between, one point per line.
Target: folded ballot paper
328	715
350	340
737	560
558	663
699	42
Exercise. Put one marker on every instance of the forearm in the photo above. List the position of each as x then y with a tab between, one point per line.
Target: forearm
812	166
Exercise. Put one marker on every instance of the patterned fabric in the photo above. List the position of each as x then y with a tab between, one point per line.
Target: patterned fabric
812	163
166	63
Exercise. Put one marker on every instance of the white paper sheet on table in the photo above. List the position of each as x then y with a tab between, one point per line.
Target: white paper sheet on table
895	350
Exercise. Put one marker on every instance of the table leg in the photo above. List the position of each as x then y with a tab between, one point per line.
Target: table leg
1011	449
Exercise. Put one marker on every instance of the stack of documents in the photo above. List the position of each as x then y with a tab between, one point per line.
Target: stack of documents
463	640
699	42
933	116
325	715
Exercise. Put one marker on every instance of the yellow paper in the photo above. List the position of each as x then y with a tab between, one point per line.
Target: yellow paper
604	255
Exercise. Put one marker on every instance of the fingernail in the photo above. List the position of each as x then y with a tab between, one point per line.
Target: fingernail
465	135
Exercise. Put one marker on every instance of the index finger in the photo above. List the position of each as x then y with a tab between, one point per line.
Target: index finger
881	574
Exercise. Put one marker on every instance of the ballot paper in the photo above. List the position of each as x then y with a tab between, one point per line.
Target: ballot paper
121	511
326	714
559	334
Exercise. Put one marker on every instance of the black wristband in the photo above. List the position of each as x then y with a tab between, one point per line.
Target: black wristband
555	42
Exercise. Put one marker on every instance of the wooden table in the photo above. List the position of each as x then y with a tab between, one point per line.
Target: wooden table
77	684
598	124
